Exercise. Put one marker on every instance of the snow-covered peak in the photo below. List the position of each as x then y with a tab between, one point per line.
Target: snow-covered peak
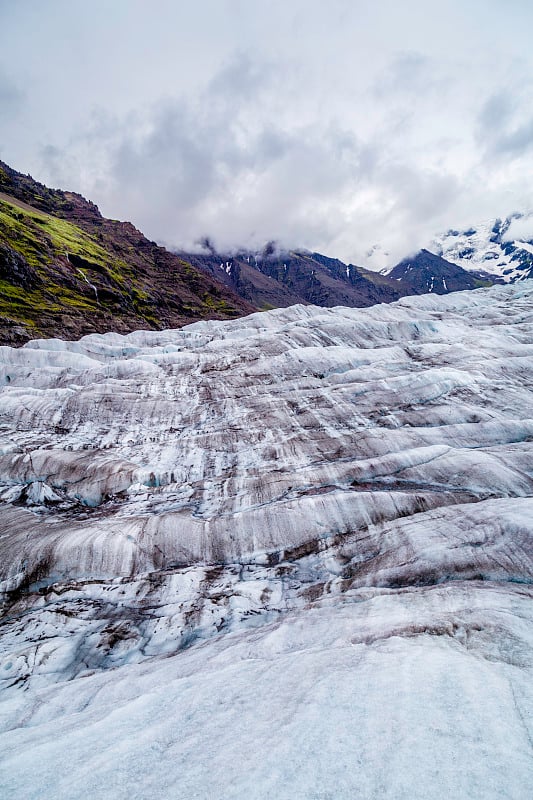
503	248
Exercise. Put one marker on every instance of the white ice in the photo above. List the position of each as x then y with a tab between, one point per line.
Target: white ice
285	556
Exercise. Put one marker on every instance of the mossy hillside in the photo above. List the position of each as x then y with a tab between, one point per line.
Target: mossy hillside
36	235
65	270
218	305
47	242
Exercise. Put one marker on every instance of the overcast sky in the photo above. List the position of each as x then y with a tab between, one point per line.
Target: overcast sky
328	124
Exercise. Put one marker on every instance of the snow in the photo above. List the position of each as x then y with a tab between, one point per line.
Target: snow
524	246
493	246
288	555
481	249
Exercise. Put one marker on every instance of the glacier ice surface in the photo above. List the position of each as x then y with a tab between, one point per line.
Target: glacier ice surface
289	555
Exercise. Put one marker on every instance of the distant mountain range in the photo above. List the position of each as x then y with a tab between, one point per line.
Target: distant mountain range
67	271
274	279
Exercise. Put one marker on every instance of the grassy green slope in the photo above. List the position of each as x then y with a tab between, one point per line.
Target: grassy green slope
71	276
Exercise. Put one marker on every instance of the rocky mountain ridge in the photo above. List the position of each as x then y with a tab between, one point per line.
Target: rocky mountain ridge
428	273
274	278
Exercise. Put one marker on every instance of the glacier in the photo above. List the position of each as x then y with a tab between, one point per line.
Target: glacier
288	555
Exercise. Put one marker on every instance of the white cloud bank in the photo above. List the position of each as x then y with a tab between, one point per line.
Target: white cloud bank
520	230
330	127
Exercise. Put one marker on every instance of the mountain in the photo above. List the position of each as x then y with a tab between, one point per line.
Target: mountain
426	272
277	279
273	279
66	271
490	248
286	555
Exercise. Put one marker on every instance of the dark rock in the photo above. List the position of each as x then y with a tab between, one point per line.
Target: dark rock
15	269
427	273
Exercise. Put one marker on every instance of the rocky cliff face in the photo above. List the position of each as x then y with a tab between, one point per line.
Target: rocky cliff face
66	271
291	551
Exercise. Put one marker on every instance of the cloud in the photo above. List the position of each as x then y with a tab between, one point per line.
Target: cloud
332	127
11	98
242	181
520	229
408	73
217	166
505	125
516	141
241	79
231	177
